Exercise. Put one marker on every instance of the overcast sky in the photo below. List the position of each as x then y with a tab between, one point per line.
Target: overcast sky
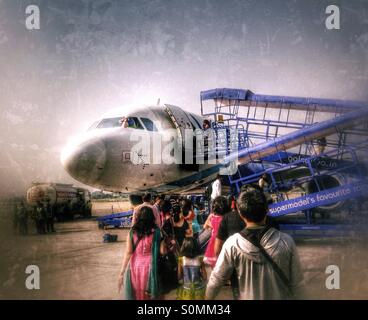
91	56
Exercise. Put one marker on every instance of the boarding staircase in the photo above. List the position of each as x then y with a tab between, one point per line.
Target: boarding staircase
317	149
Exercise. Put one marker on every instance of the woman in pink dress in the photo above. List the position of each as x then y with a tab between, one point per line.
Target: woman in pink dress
219	208
141	258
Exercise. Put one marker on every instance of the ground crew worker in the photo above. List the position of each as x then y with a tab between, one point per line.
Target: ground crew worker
321	145
36	215
40	218
49	217
43	218
88	208
23	219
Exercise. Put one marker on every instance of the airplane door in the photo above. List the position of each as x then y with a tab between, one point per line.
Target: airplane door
181	121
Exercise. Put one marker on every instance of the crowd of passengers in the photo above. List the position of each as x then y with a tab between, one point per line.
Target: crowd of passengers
170	248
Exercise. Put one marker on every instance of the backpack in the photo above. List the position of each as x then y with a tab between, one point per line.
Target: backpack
255	239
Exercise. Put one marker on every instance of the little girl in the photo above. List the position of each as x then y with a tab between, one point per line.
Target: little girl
190	216
191	270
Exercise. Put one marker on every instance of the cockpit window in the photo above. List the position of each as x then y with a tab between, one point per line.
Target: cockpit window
150	126
93	126
109	123
131	122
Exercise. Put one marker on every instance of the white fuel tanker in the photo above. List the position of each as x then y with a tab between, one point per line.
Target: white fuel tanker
66	199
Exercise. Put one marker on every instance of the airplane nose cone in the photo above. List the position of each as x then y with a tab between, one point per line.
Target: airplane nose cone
85	162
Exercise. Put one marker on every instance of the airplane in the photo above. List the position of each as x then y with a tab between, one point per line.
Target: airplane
277	135
101	157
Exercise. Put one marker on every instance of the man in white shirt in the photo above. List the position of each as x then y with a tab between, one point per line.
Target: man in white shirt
216	188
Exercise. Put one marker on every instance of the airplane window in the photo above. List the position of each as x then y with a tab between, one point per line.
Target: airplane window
149	124
93	126
134	123
109	123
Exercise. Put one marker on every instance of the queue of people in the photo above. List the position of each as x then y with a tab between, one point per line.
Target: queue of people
42	214
244	250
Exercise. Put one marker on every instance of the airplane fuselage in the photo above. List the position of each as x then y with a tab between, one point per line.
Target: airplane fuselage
103	156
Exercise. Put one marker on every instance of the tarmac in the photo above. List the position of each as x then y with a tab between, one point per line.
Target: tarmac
74	262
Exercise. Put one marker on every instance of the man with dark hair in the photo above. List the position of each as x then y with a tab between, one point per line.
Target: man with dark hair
166	208
147	203
230	224
147	197
135	200
206	124
265	259
159	199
